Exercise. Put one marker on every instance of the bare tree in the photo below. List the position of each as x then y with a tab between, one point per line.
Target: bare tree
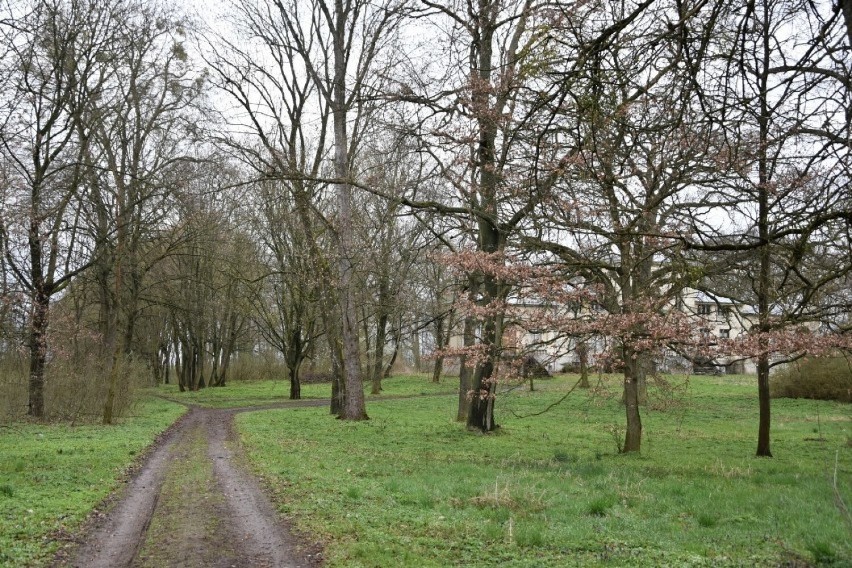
146	119
286	306
327	53
54	52
781	94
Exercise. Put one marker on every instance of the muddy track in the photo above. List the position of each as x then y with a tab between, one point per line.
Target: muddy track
190	503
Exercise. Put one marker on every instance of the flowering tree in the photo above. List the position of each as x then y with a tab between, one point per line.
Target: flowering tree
612	225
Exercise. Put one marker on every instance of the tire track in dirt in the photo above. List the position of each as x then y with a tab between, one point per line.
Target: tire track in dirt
224	519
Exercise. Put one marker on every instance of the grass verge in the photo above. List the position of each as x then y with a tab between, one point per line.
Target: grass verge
53	475
411	487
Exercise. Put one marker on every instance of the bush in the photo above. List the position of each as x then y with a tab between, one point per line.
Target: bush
822	378
262	366
74	390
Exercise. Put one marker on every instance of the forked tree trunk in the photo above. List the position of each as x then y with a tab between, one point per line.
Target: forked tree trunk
484	386
295	384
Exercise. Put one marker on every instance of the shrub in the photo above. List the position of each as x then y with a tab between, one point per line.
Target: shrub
75	388
257	367
822	378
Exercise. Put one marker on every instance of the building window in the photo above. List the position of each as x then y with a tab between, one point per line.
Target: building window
725	333
725	310
705	309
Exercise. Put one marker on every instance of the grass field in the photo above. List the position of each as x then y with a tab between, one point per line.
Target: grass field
53	475
258	393
411	487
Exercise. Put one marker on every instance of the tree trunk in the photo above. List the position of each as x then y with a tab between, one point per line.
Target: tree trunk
764	281
465	380
338	387
643	364
846	7
378	362
439	342
415	350
394	355
38	353
583	356
295	384
437	369
633	436
109	405
354	407
484	386
763	449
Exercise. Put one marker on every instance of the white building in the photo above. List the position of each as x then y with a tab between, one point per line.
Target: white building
715	317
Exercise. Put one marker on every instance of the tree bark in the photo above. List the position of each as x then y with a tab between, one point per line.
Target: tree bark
415	350
439	342
583	356
465	371
38	353
295	384
764	282
378	363
633	435
354	407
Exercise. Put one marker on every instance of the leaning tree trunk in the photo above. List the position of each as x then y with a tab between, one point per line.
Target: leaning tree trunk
394	354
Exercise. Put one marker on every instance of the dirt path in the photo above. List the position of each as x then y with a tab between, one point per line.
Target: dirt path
193	504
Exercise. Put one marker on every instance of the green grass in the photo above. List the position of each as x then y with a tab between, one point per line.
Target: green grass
411	487
257	393
53	475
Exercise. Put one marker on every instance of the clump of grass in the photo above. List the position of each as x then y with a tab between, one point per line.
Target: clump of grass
707	519
529	535
7	490
822	551
354	493
561	456
496	497
600	506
